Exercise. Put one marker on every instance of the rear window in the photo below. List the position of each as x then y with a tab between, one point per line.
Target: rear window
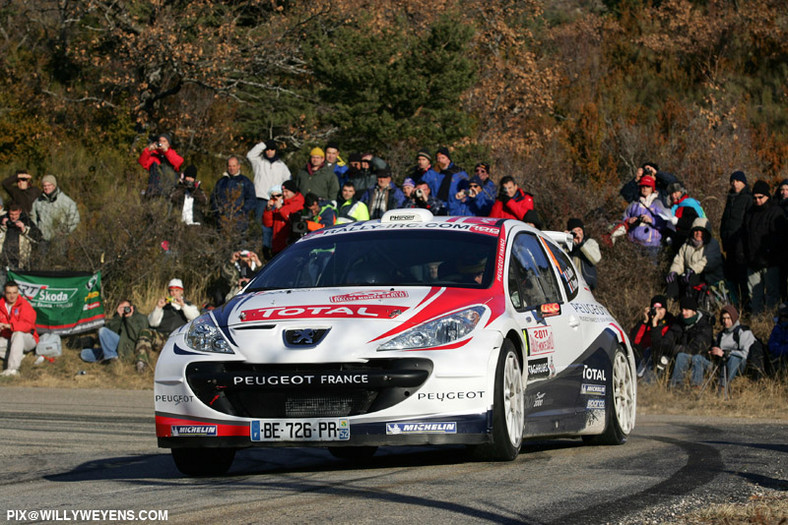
396	258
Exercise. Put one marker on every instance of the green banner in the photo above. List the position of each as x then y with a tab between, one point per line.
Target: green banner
65	302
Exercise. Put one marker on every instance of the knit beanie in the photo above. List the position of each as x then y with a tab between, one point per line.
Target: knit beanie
739	176
190	171
573	223
730	310
317	152
688	303
424	153
761	187
49	179
444	151
290	185
659	301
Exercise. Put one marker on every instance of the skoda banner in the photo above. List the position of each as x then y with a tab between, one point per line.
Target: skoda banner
65	302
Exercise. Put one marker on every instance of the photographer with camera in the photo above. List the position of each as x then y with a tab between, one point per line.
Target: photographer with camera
284	207
22	190
471	199
188	196
162	162
119	335
647	219
585	252
689	337
18	235
656	318
239	270
171	312
512	202
422	198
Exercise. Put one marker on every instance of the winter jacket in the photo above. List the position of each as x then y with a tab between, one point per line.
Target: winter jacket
322	182
447	182
267	172
362	180
726	340
393	198
168	319
736	207
778	340
163	168
55	214
693	339
488	187
22	318
763	235
641	232
24	198
585	257
478	206
129	328
352	210
279	220
16	246
432	204
233	197
704	260
513	208
191	202
641	334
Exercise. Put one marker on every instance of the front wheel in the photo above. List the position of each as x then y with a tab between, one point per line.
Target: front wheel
508	407
203	461
621	416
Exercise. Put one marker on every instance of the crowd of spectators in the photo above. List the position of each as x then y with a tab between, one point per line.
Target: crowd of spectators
746	276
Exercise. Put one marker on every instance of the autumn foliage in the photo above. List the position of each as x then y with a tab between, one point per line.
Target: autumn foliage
569	97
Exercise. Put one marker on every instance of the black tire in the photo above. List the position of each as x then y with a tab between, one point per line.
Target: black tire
508	408
353	453
622	404
203	461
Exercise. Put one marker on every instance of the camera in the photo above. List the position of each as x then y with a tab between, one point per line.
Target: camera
244	253
158	145
419	193
663	363
652	312
126	310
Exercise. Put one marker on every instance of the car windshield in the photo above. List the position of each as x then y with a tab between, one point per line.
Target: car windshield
383	258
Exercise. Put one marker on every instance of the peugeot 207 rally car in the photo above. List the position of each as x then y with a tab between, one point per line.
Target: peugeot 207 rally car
408	330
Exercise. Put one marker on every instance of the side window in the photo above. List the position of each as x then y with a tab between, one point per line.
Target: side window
568	274
531	278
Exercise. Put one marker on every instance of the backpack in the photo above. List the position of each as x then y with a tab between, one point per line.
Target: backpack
49	345
758	363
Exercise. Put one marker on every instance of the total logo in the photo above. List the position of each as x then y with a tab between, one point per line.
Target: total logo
593	374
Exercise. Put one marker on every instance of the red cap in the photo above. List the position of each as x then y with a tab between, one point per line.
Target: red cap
648	180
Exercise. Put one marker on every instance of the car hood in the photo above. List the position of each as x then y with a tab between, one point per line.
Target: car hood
332	324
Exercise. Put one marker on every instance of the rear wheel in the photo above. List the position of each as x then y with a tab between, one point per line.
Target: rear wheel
508	407
621	416
203	461
353	453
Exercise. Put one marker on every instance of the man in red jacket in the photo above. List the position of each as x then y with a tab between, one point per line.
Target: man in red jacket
17	328
512	202
283	202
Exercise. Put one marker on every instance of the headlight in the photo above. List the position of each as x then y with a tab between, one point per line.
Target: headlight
204	336
439	332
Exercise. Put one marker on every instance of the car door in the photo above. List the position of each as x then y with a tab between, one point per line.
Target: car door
550	332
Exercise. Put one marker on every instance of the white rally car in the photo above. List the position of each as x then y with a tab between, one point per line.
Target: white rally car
408	330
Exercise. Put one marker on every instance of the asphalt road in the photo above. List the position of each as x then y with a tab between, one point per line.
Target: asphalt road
65	451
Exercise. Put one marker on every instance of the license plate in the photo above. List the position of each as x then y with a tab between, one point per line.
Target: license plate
333	429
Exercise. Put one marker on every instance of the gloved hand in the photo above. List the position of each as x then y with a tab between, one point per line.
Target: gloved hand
671	277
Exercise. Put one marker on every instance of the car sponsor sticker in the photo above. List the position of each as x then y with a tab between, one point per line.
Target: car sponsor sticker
450	396
174	399
368	296
540	340
593	374
538	368
592	390
595	404
324	429
323	311
192	430
393	429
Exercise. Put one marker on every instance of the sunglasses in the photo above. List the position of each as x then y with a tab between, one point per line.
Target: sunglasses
759	197
276	196
481	170
474	186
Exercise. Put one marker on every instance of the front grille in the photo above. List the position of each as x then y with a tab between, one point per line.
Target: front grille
303	391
